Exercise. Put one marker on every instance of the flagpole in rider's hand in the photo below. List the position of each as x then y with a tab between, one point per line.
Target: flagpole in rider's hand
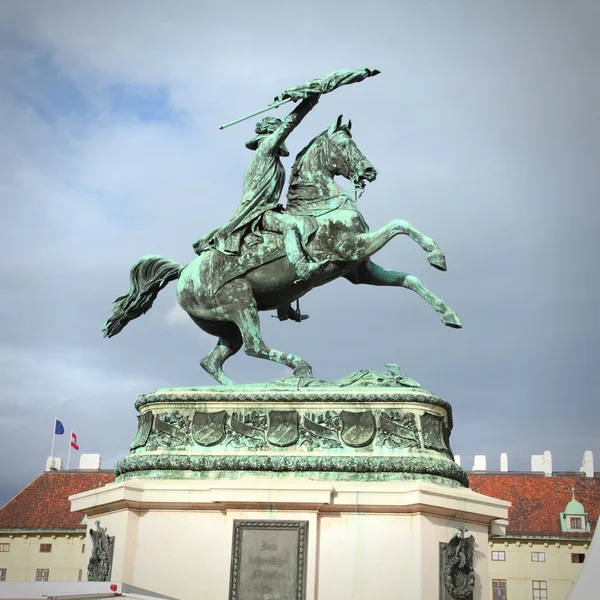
315	86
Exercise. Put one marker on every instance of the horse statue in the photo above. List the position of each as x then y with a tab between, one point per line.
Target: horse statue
224	299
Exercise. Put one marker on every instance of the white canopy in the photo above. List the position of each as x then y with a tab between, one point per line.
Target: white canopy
50	590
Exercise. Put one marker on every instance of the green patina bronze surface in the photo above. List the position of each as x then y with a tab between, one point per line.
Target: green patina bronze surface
375	468
369	426
268	256
366	426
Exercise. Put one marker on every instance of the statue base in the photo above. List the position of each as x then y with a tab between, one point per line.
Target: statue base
365	427
297	489
355	540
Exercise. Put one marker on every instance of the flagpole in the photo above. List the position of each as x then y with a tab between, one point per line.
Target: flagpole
53	436
258	112
69	454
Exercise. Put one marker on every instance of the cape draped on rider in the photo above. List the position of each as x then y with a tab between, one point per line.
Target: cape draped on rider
263	184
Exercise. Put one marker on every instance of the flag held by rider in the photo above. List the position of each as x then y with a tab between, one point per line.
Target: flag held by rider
324	85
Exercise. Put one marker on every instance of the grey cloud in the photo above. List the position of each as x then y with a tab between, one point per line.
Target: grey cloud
484	125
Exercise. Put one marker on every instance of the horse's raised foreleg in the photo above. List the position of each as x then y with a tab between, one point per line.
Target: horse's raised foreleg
367	244
371	274
237	304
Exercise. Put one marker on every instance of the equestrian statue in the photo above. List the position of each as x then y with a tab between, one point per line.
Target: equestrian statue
268	256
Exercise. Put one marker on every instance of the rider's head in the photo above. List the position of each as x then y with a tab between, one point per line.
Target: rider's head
264	128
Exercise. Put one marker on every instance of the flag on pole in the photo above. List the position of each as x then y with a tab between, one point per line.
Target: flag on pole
58	430
326	84
74	443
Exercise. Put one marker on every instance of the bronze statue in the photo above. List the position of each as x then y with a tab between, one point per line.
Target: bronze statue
265	258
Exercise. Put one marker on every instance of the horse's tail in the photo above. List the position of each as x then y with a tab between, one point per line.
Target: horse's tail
149	275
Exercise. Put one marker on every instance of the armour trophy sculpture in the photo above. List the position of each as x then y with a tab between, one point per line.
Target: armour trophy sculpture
100	563
268	256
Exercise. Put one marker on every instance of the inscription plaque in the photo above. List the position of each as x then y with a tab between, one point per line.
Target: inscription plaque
268	560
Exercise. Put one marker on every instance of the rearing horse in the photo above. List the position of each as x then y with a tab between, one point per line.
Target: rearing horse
338	237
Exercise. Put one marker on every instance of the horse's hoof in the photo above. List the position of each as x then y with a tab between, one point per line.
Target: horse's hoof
304	371
437	259
451	319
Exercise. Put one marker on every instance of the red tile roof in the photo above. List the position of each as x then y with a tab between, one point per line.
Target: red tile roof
537	500
44	503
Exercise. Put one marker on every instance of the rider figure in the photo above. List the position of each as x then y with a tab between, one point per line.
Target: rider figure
263	184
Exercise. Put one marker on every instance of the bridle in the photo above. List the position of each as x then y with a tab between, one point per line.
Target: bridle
357	181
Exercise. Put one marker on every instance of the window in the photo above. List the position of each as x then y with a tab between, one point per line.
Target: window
80	575
538	557
540	591
82	548
575	523
42	574
4	547
499	589
498	555
45	547
577	558
2	574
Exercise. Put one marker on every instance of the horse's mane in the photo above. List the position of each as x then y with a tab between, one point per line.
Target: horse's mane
300	156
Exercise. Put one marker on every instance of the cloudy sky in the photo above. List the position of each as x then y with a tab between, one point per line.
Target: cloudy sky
484	126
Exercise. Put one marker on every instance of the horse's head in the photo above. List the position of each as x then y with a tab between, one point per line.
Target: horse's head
343	155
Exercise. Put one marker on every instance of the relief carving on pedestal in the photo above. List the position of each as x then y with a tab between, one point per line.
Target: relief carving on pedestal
100	563
170	429
398	429
432	428
320	430
456	565
208	429
247	430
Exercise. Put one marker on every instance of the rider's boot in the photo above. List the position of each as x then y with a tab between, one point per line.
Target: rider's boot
293	248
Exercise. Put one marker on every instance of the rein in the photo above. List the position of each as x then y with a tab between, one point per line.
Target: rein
351	166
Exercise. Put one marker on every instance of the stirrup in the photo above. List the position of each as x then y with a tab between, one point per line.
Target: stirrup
285	313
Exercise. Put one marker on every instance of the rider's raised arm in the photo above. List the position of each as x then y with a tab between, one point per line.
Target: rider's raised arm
291	122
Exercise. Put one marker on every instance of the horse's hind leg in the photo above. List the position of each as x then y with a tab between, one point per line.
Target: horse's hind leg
237	302
230	341
212	363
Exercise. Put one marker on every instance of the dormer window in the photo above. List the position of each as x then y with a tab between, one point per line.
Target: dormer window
574	518
575	523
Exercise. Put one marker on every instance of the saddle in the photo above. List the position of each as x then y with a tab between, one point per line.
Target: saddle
226	267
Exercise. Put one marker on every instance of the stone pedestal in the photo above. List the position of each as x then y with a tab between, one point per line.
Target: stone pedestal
364	540
351	433
296	490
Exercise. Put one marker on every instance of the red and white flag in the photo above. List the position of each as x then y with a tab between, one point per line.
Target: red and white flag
74	443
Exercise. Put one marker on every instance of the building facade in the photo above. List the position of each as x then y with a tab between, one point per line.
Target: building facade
551	523
40	538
